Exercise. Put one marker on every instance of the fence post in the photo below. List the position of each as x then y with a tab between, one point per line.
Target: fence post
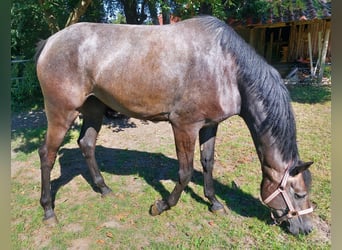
324	54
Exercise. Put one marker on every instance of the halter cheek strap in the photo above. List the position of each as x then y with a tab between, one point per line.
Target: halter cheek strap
281	190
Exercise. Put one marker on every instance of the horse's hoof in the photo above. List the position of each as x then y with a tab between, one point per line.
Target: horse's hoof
107	194
51	222
219	210
154	209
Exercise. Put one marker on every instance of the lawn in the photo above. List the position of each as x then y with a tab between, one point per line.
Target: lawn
138	162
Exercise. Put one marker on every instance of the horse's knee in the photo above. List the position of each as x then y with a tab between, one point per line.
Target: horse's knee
87	145
185	176
42	151
207	163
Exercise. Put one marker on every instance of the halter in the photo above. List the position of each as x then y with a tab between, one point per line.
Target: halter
281	190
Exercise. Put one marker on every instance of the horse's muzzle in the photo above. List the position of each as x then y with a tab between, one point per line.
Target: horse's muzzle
300	225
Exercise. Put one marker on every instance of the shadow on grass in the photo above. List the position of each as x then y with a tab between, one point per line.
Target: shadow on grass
310	93
153	167
31	127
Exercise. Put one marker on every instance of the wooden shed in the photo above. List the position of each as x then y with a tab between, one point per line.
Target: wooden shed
291	34
287	41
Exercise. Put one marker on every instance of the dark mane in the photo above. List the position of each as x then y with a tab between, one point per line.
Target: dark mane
259	82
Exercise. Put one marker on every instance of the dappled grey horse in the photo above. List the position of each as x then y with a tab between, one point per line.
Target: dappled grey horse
193	74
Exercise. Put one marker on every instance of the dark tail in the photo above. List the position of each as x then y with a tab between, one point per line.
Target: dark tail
39	49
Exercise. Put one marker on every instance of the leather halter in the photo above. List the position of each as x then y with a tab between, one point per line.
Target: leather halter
281	190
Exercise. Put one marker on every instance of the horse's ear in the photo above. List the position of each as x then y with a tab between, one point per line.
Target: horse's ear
301	166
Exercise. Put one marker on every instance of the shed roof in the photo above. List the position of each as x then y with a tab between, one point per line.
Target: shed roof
292	11
311	10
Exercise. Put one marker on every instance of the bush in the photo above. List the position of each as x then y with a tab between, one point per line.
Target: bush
25	92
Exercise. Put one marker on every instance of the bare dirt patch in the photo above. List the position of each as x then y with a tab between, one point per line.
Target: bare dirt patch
80	244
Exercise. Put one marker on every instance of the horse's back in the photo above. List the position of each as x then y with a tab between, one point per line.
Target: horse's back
148	72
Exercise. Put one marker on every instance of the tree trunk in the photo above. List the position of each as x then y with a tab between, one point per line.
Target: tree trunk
78	11
131	13
49	17
205	9
166	12
74	16
130	9
153	11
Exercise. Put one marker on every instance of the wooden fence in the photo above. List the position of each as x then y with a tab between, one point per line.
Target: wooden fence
17	69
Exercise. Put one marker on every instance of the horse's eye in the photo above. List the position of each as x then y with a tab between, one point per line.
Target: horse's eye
300	195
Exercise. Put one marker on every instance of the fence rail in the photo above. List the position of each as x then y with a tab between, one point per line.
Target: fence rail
17	69
21	61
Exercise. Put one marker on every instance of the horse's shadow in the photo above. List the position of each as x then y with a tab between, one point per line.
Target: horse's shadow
152	167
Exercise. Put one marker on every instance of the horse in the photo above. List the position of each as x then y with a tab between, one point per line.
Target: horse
193	74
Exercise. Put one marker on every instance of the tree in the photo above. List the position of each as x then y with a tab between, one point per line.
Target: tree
32	20
27	27
218	8
49	17
78	11
152	6
166	10
134	15
59	13
136	11
37	19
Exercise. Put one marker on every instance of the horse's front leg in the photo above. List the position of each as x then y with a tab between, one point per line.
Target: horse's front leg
185	143
207	136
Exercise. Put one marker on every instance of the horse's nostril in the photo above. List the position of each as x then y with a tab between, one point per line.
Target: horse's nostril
308	230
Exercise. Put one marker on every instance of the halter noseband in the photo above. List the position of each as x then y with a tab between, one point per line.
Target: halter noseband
281	190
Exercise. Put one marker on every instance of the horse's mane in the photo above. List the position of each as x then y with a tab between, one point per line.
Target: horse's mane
261	81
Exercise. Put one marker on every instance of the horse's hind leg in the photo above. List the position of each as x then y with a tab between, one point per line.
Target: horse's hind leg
92	111
207	137
185	139
58	124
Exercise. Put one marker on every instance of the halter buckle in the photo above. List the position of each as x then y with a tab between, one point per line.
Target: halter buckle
292	214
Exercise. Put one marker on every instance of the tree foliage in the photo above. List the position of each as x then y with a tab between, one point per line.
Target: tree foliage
37	19
27	27
33	20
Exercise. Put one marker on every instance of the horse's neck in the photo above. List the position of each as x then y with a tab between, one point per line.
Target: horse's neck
252	111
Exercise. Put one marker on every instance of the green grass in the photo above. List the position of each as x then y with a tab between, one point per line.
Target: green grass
143	172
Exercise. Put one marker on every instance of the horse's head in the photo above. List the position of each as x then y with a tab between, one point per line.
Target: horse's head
288	197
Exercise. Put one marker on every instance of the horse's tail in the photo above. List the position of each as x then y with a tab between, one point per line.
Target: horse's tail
39	49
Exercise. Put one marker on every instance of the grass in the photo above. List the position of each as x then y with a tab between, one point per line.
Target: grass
141	169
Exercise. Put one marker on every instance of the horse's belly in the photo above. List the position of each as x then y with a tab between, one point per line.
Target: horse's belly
134	103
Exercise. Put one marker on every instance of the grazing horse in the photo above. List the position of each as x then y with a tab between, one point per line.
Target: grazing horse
193	74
